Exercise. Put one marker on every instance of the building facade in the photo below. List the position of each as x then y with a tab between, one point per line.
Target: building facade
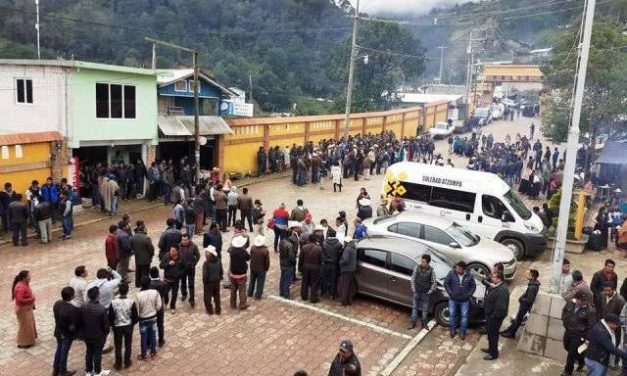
511	77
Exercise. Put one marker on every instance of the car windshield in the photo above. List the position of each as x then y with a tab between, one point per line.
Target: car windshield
518	206
462	236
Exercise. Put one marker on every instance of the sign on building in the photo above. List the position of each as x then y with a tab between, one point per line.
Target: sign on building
230	108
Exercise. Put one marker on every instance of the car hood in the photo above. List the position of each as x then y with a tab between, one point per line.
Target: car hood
493	251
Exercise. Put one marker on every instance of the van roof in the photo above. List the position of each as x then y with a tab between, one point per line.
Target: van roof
447	177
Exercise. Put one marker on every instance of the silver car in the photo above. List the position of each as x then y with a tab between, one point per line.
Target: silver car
449	238
385	265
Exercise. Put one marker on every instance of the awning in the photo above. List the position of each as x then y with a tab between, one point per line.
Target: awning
613	153
183	126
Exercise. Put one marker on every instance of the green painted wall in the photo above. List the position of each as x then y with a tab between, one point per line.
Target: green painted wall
87	127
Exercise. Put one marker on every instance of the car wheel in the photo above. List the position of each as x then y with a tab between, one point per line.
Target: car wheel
442	314
516	246
479	269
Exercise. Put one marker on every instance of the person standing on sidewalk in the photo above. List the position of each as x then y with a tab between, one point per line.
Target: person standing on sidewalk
496	306
259	266
238	271
348	267
163	289
144	251
79	284
66	320
423	284
42	213
331	249
17	214
212	274
173	271
578	318
345	358
309	264
232	200
525	303
67	218
149	303
258	214
601	344
221	205
460	286
170	237
190	217
123	317
190	255
125	250
96	327
24	299
245	206
287	260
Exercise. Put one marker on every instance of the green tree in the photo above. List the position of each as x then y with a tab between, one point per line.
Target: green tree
393	54
606	81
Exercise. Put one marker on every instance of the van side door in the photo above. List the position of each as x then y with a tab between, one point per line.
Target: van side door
452	204
490	218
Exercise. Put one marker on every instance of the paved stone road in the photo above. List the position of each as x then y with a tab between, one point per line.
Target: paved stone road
273	337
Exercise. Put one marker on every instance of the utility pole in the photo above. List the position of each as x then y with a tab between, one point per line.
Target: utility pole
441	63
37	28
571	149
154	56
351	68
468	75
250	86
196	67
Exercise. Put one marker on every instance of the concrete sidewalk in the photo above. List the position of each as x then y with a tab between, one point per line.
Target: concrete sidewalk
88	215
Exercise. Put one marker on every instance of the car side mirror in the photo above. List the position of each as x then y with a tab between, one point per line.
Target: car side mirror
454	245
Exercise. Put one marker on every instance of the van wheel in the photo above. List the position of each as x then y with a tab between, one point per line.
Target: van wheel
516	246
479	269
442	314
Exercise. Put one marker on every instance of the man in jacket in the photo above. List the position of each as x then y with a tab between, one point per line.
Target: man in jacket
525	301
460	286
49	192
259	266
111	248
170	237
66	319
331	250
42	213
496	305
287	259
67	219
190	255
6	197
578	318
221	205
149	303
163	289
348	267
602	344
95	324
123	317
345	358
238	270
144	251
125	250
245	206
190	217
600	278
212	274
578	285
423	283
17	213
309	263
173	270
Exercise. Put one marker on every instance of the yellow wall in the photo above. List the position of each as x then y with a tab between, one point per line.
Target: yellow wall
35	165
241	158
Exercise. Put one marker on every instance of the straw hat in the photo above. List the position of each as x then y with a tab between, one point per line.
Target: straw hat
259	241
210	250
238	241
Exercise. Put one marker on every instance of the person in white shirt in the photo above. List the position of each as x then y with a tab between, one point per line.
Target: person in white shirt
149	303
79	284
566	278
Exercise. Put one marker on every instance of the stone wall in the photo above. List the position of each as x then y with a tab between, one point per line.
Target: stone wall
543	333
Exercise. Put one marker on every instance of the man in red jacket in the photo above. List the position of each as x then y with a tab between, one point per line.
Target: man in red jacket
111	248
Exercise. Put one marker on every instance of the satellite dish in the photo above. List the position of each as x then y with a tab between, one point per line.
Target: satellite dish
202	140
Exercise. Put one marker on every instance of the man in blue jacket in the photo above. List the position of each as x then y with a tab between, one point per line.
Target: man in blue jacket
601	343
460	286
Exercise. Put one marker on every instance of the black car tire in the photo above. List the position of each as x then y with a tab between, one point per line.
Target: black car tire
516	246
441	313
483	270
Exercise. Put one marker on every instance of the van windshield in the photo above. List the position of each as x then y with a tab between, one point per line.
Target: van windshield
462	236
518	206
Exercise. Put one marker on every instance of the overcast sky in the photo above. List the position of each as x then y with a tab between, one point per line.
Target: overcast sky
403	6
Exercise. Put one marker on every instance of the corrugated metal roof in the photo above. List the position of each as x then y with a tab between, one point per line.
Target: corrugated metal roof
183	126
29	138
512	70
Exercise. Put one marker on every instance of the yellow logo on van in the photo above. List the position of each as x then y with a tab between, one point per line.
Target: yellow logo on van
393	185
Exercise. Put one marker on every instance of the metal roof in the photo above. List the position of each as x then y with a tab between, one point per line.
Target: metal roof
614	153
76	64
512	70
29	138
183	126
167	77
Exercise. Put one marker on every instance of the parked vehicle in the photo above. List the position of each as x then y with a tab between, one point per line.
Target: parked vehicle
483	116
385	266
478	200
448	238
441	130
497	111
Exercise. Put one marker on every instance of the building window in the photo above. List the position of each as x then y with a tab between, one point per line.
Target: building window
180	85
5	152
19	153
115	101
24	89
190	85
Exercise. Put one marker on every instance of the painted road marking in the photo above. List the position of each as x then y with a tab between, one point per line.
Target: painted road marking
342	317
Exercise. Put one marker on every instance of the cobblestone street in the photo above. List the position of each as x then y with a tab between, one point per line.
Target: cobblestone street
272	337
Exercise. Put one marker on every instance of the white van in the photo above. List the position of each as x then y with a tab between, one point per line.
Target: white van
478	200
